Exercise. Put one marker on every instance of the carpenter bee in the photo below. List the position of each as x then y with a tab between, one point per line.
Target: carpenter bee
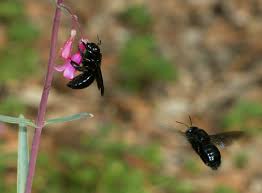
90	68
205	144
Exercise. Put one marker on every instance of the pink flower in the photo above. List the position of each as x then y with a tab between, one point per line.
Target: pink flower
67	68
81	45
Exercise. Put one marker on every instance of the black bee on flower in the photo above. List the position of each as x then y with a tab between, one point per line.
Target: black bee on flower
87	61
90	68
205	145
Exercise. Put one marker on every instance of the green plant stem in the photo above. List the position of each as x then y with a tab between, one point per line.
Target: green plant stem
44	98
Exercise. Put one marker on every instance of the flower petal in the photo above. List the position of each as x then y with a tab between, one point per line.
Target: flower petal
60	68
73	33
69	72
77	58
66	50
81	46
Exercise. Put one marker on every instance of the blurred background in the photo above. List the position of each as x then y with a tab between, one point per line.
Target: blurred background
162	61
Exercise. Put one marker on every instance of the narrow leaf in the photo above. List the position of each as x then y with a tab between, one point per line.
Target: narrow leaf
16	120
22	161
69	118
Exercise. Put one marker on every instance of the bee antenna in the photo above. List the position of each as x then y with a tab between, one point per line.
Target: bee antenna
99	41
190	120
183	124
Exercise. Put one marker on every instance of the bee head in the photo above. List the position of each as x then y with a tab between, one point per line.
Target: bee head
191	130
93	47
198	134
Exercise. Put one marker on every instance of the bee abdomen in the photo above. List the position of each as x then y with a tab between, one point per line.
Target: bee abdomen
81	81
210	155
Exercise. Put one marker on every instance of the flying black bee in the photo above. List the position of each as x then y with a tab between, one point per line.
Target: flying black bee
90	68
205	144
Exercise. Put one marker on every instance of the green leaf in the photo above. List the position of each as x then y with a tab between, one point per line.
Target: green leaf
69	118
22	162
140	52
17	120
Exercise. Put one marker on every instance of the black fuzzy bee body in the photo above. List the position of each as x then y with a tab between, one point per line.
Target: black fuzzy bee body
82	80
210	155
90	68
205	145
201	143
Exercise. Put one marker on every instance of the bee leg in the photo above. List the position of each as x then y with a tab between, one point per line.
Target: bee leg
81	53
77	66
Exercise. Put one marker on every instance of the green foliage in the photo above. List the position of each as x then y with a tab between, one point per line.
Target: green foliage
11	106
22	158
18	58
184	187
18	63
26	122
245	115
241	160
172	184
10	10
141	65
68	118
166	183
137	16
101	169
3	165
224	189
191	166
99	164
48	176
150	154
119	177
17	120
7	166
22	32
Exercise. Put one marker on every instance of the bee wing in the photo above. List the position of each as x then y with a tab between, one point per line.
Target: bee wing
99	79
226	138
